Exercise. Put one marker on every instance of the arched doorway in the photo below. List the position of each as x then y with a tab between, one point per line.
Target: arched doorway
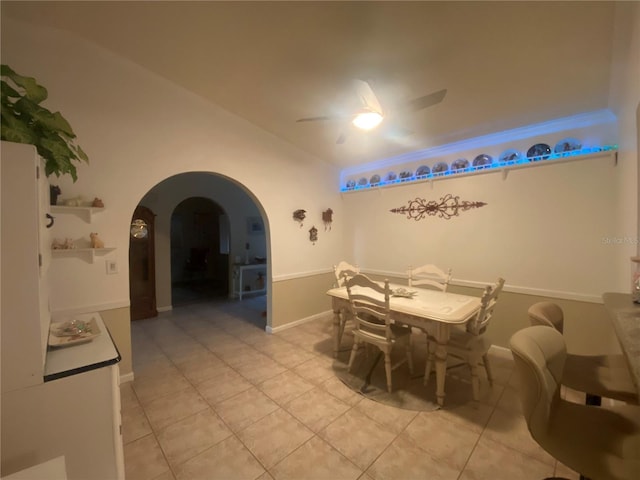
199	251
238	211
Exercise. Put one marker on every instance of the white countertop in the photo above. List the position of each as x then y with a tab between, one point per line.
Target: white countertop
70	360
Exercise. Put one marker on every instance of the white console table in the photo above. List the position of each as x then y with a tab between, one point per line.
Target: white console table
238	273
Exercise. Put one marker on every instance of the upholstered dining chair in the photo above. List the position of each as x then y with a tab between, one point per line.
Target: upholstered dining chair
596	375
369	302
471	344
344	270
429	275
601	443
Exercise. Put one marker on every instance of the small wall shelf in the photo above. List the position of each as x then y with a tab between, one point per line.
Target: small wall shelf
85	213
87	254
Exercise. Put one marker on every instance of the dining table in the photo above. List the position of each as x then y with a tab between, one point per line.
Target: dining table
422	309
625	317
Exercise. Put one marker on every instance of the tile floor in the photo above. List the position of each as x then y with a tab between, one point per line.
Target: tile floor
215	397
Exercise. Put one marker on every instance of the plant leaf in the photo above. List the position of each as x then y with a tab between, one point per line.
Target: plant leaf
34	92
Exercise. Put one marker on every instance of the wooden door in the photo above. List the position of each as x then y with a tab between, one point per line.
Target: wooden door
142	271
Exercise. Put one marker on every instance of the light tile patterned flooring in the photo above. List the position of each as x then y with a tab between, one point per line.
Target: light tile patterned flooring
215	397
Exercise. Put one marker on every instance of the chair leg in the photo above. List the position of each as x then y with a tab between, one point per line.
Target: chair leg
487	367
354	350
387	368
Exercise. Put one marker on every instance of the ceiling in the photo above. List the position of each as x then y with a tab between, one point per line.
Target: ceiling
504	64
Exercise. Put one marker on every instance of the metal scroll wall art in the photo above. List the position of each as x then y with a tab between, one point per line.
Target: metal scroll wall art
448	207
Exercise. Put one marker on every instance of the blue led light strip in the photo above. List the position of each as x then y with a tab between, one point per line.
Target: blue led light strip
495	166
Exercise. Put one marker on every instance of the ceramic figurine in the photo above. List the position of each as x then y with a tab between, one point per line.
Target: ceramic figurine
95	241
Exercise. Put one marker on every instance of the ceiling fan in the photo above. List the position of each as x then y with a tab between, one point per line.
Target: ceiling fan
370	113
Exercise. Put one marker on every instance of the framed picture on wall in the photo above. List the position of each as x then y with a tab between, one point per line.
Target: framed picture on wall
255	226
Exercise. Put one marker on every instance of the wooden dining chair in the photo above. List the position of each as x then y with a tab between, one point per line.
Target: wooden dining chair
600	443
471	344
344	270
596	375
369	303
429	275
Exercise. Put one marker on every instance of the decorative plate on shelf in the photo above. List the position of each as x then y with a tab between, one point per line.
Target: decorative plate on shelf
391	176
65	334
567	145
423	170
511	155
375	179
459	164
482	160
406	174
440	167
539	151
351	184
363	182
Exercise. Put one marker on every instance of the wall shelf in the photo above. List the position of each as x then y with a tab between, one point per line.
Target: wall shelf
85	213
609	152
88	254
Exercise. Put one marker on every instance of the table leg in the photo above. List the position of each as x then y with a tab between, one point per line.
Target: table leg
442	338
337	338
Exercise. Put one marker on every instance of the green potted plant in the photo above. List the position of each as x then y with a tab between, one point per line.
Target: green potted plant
24	120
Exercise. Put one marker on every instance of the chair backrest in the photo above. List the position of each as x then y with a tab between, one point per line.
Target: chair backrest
478	324
343	271
548	314
539	354
429	275
369	302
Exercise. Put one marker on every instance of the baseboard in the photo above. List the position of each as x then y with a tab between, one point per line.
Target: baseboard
295	323
127	377
164	309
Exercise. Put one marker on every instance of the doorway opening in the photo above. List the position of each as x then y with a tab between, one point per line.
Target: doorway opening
199	252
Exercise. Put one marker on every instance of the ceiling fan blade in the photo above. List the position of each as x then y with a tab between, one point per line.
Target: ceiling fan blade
366	96
322	118
341	139
396	131
425	101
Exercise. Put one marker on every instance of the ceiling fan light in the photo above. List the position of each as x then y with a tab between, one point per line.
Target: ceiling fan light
367	120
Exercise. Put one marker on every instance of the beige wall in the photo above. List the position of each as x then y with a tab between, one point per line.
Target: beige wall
300	298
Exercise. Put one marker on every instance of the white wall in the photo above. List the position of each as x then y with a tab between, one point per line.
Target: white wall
139	129
543	229
624	99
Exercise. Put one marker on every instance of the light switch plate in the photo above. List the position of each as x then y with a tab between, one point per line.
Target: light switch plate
112	267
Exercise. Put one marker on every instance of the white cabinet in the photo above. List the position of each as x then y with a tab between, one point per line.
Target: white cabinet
249	279
54	403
